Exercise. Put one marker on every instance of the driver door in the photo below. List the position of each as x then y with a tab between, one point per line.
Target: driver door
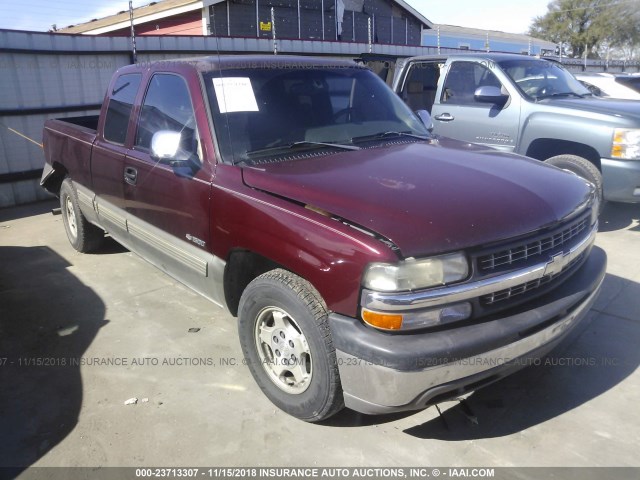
458	114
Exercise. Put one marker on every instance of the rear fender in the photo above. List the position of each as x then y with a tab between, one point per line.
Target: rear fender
52	177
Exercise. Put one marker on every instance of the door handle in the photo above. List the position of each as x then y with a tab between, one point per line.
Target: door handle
130	175
445	117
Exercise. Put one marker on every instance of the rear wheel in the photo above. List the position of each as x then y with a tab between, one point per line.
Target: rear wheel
82	235
581	167
285	338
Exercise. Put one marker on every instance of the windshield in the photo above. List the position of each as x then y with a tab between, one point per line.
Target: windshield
632	82
264	112
539	79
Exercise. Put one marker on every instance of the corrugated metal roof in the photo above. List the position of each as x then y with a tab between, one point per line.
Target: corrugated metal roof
152	8
414	12
166	5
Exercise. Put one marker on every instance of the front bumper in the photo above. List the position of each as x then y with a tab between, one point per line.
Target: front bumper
621	180
384	372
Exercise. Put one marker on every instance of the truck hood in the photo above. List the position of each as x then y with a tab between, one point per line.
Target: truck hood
428	198
606	106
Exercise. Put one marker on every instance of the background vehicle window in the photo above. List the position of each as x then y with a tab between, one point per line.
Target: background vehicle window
119	109
167	106
631	82
539	79
462	81
421	85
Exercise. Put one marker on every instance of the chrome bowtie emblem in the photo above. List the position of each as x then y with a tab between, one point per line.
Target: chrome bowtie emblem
556	264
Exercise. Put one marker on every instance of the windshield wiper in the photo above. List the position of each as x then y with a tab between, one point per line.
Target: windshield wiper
301	145
563	94
383	135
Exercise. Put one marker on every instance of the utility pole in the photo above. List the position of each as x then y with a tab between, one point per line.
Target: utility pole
586	49
134	53
273	31
561	46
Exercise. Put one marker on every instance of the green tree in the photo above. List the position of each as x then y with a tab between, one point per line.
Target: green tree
590	26
625	36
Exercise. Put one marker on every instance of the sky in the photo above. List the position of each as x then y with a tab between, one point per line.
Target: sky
512	16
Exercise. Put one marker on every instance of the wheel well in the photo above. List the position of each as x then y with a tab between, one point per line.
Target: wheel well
545	148
54	181
242	267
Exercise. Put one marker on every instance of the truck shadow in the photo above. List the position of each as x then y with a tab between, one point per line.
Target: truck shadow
110	246
599	355
617	216
48	319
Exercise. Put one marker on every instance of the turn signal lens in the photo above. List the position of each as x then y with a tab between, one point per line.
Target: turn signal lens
383	321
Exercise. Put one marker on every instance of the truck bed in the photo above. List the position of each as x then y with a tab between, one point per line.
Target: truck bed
69	141
89	122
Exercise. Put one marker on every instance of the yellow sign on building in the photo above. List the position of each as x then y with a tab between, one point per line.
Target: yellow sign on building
265	26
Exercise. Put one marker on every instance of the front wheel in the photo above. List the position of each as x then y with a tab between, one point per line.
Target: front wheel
581	167
284	333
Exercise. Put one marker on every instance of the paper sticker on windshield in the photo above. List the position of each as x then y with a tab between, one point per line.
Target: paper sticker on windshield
235	94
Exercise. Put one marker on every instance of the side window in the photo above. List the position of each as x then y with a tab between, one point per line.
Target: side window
167	106
120	106
462	81
420	87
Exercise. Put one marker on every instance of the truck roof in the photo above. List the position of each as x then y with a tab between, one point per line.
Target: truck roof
225	62
496	57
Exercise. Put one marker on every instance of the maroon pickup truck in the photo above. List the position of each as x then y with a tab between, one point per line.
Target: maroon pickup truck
369	263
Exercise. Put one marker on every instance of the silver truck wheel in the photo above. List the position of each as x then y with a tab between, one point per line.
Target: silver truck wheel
82	235
284	333
582	168
71	218
283	350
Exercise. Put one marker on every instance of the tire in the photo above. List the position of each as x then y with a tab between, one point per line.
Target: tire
82	235
283	318
581	167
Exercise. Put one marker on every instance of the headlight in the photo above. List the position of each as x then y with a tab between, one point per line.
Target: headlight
412	274
626	143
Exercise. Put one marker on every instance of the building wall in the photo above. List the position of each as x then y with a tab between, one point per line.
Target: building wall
189	23
315	20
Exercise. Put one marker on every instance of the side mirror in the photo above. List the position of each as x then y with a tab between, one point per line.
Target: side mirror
489	94
165	145
165	148
425	117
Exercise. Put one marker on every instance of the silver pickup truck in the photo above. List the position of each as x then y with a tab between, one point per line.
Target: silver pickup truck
529	106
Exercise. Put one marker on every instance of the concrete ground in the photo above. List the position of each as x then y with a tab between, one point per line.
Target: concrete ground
62	314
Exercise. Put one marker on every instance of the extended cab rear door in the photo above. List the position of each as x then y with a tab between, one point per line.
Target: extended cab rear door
459	114
109	151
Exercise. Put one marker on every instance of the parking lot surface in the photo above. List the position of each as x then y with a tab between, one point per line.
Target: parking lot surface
80	334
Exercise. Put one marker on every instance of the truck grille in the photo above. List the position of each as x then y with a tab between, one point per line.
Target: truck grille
509	293
532	248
